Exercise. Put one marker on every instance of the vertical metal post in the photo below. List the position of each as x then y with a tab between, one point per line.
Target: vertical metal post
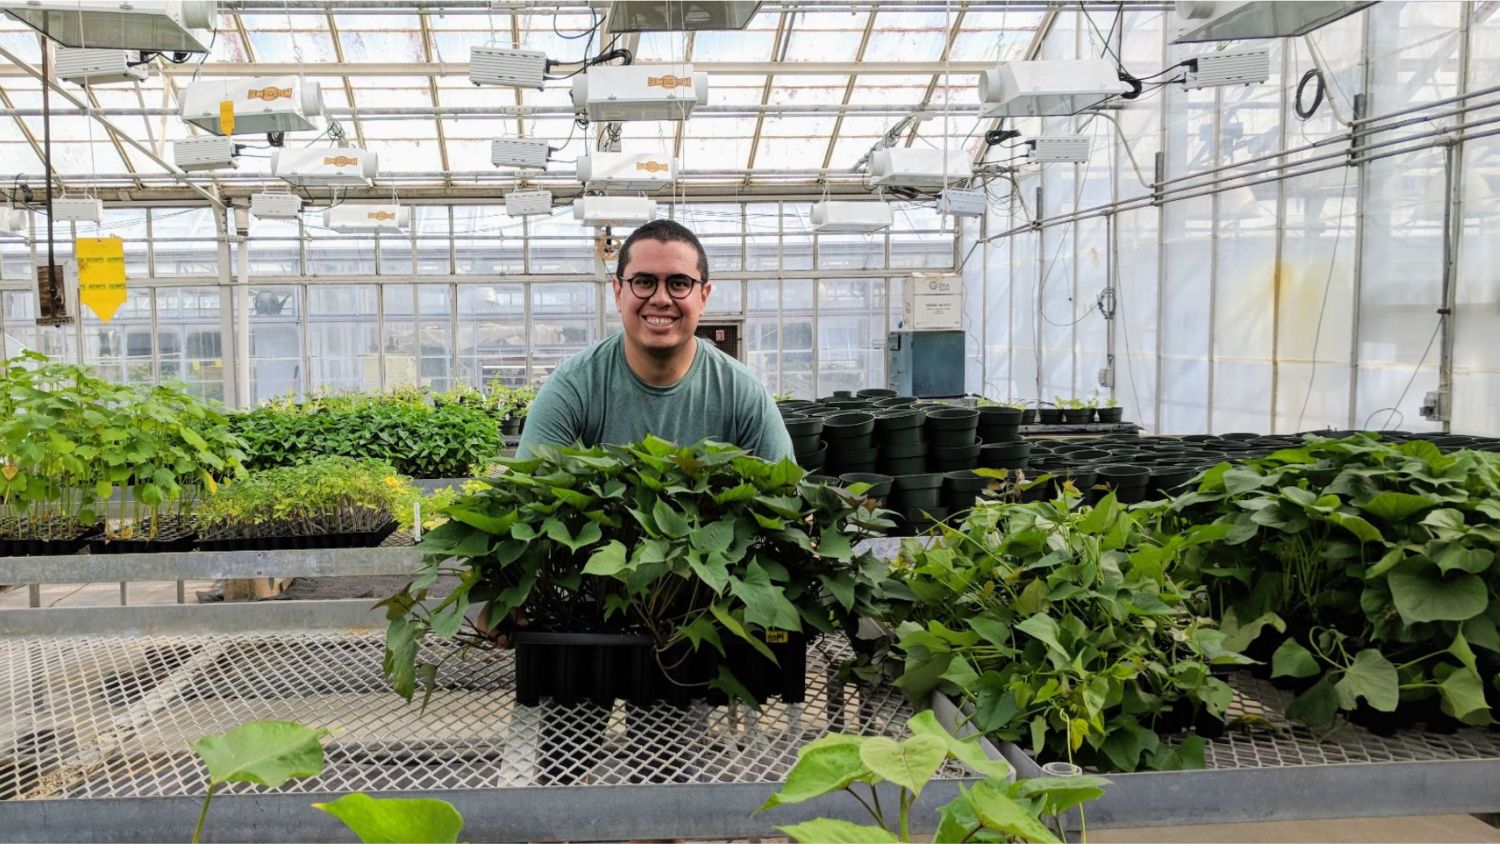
1111	285
1213	267
242	321
1453	228
380	334
1277	280
1041	272
228	341
1361	107
1161	266
304	320
984	298
453	349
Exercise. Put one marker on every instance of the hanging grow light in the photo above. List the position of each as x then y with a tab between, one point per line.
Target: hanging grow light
163	26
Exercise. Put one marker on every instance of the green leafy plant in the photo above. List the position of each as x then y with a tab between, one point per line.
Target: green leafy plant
992	810
1363	571
268	753
511	403
326	495
70	440
1065	627
689	545
422	436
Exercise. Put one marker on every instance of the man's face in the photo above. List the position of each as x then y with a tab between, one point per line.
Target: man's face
660	323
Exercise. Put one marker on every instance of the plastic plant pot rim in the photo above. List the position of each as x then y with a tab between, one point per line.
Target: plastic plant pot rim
918	481
898	420
953	418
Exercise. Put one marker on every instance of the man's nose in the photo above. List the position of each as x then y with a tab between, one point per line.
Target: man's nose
660	296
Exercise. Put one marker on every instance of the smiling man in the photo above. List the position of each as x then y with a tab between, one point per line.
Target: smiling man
657	377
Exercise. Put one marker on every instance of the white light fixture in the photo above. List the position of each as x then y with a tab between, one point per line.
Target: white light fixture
1047	88
325	166
1229	67
275	206
962	202
512	68
610	93
166	26
99	67
259	104
842	217
679	15
1235	21
630	171
206	153
614	210
918	167
15	222
519	152
82	209
1065	149
367	217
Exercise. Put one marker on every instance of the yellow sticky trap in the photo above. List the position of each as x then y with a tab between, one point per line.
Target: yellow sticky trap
226	117
101	274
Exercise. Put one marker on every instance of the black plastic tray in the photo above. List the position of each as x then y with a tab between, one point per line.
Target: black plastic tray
48	547
575	667
363	539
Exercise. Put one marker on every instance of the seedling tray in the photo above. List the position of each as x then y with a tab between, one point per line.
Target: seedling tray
47	547
1265	767
600	668
361	539
181	542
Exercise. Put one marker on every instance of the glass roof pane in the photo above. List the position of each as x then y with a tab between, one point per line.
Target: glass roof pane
994	36
791	153
908	36
454	46
279	47
741	46
362	46
729	89
719	127
895	89
424	129
829	37
465	155
799	126
227	44
16	156
661	47
715	153
485	128
809	89
561	35
23	43
419	156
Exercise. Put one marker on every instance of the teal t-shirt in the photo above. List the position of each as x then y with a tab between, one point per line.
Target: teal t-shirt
594	397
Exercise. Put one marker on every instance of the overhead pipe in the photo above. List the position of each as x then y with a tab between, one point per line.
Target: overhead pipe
491	112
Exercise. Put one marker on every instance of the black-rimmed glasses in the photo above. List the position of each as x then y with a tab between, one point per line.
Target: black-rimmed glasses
644	285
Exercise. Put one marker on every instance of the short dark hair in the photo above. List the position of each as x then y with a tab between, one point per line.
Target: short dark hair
666	231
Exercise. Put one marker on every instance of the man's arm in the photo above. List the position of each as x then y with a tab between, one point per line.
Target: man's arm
765	432
555	418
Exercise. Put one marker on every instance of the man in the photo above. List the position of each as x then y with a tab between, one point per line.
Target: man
657	377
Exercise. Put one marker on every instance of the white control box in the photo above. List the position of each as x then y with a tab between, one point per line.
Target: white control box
275	206
1229	67
88	66
83	209
325	166
962	202
519	152
631	171
512	68
932	302
1068	149
525	203
211	152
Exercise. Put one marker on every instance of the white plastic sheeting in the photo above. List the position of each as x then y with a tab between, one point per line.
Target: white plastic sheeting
1309	302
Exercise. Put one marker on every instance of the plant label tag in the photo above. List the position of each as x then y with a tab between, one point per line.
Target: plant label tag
776	637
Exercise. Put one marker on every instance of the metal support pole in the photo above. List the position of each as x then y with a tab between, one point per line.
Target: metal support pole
242	323
228	347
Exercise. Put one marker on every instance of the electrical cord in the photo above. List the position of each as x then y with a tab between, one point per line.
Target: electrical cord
1396	408
1323	309
1304	113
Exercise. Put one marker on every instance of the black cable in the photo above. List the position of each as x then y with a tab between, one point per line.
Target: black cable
997	136
1304	114
593	29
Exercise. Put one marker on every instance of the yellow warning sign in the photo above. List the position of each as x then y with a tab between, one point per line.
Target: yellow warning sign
226	117
101	274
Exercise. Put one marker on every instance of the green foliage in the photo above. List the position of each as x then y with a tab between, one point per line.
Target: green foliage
325	495
690	545
397	820
70	440
268	753
1065	626
993	810
1368	565
509	402
425	436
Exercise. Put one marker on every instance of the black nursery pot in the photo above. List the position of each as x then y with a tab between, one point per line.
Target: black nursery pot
1049	415
1167	478
880	485
875	393
510	427
902	426
1005	455
1111	414
801	426
813	460
961	488
910	492
999	416
951	426
1128	481
953	458
848	425
1077	415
